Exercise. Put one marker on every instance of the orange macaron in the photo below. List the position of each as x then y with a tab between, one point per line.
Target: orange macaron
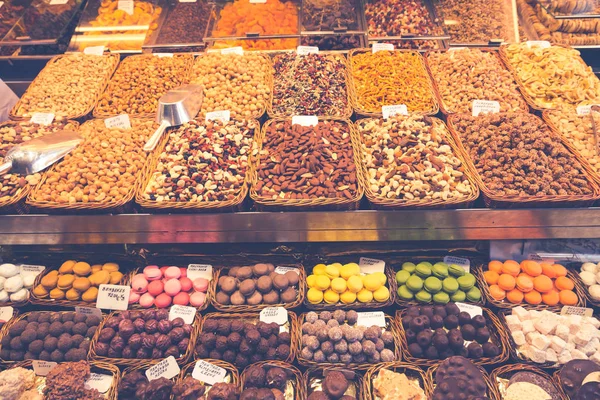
511	267
515	296
568	297
542	284
491	277
534	297
497	293
564	283
524	283
506	282
559	270
548	270
495	266
551	297
531	268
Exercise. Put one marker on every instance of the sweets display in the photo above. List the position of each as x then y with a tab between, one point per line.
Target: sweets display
527	384
15	283
264	380
409	18
185	23
153	77
576	374
163	286
465	75
68	380
65	78
390	385
257	284
334	386
457	377
408	158
336	338
19	383
143	335
313	84
546	337
240	84
590	276
530	282
391	78
49	336
337	283
438	283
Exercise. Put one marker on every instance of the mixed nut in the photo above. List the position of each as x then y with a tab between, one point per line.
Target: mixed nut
397	18
476	20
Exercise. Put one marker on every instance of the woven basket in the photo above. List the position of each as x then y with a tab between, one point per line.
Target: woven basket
253	308
314	375
494	200
19	109
128	362
491	391
399	367
253	318
232	376
384	203
523	106
497	336
345	114
233	205
391	326
506	305
505	372
111	92
296	377
321	203
367	113
142	365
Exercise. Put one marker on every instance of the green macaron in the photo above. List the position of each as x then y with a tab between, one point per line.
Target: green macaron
440	270
423	270
456	270
405	293
402	276
458	296
474	294
466	282
433	284
450	285
408	266
423	297
414	283
441	298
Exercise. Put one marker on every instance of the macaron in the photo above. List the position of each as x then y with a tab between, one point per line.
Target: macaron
531	268
319	269
440	270
146	300
405	293
200	284
172	287
139	284
497	292
474	294
332	271
551	297
197	299
559	270
456	270
155	288
567	298
515	296
381	295
152	272
423	296
414	283
450	285
365	296
371	282
441	298
163	300
349	270
423	270
183	272
133	297
491	277
355	284
408	266
182	299
172	273
187	284
403	275
331	297
338	285
458	296
524	283
506	282
466	282
542	283
564	283
533	297
322	282
348	297
433	284
511	267
314	296
495	266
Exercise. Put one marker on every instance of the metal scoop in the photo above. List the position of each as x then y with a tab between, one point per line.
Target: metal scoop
36	154
175	108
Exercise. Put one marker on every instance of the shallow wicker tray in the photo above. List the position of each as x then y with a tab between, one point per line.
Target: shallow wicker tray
17	111
497	336
391	326
491	391
494	200
296	377
384	203
507	371
366	113
236	204
143	365
318	373
399	367
320	203
252	308
523	106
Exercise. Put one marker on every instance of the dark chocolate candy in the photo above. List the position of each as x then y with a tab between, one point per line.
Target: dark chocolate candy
535	379
589	391
461	368
574	372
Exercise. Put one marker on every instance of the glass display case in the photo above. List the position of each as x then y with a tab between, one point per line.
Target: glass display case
332	24
10	12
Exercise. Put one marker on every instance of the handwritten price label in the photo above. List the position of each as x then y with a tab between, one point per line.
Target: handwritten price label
31	269
99	382
120	121
208	373
390	111
372	318
233	50
470	308
305	120
305	50
371	265
167	368
279	315
585	110
42	118
382	47
184	312
58	2
113	297
544	44
42	368
125	5
195	271
571	310
283	270
223	116
485	107
465	263
89	311
94	50
6	313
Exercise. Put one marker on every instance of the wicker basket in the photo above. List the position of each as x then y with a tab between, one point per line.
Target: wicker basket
347	112
252	308
410	371
366	113
314	375
18	110
494	200
491	391
322	203
134	361
391	326
523	106
233	205
505	372
253	318
497	336
143	366
108	92
384	203
296	377
506	305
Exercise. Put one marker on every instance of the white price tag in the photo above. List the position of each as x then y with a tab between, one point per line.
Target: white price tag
470	308
89	311
544	44
283	270
42	368
100	382
585	110
120	121
465	263
187	1
31	269
304	50
163	55
305	120
195	271
167	368
390	111
125	5
258	1
1	4
456	48
113	297
94	50
58	2
6	313
208	373
371	265
42	118
279	315
485	107
184	312
222	116
382	47
571	310
371	318
233	50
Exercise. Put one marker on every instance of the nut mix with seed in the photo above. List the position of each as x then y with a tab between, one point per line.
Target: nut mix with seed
313	84
68	87
464	75
516	154
140	81
103	168
472	21
298	162
409	158
203	162
400	17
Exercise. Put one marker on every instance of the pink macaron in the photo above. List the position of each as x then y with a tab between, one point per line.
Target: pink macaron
139	284
183	271
155	288
162	300
152	273
201	284
133	297
182	299
146	300
172	287
172	273
197	299
186	284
